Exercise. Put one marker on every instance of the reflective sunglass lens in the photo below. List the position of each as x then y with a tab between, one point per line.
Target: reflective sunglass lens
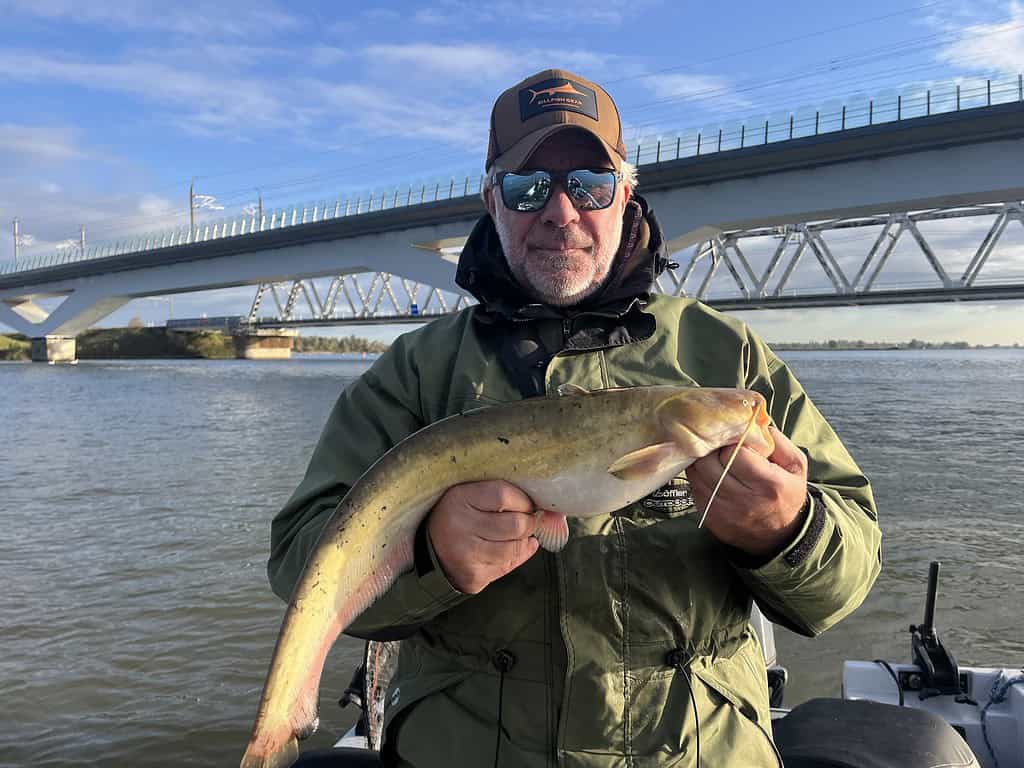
525	192
529	192
591	190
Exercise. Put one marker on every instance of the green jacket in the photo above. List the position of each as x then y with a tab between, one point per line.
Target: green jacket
602	641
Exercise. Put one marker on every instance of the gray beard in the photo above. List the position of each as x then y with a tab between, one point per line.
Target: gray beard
556	292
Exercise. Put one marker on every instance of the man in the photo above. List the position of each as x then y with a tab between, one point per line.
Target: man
632	645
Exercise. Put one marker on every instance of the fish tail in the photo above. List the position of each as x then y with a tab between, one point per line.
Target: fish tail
281	757
275	738
288	708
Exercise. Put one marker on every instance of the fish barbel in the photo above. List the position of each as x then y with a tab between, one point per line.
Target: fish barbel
580	454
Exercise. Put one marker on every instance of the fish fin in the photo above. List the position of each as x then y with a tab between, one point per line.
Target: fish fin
571	389
646	461
282	757
552	530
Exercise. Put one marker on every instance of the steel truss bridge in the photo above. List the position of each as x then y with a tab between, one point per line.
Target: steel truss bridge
764	221
799	251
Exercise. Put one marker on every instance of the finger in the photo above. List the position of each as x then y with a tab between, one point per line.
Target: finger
504	555
503	526
496	496
743	473
703	482
750	468
526	551
787	455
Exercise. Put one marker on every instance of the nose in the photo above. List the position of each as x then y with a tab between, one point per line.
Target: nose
559	211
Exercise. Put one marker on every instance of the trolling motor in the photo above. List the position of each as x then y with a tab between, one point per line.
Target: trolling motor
940	675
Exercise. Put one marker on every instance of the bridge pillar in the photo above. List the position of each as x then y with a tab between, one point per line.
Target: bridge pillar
264	343
54	349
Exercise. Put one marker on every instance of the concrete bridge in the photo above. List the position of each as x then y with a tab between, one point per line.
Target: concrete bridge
894	174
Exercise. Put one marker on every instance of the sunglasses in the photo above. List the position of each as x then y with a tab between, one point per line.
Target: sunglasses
529	191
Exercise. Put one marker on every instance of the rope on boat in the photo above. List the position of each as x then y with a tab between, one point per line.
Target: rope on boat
1000	690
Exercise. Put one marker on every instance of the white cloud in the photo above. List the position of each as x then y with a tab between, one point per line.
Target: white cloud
190	18
212	99
38	141
460	61
483	64
464	13
678	86
153	206
242	106
378	112
50	187
988	47
325	55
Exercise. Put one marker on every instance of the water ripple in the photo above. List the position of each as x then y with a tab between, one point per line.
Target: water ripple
137	619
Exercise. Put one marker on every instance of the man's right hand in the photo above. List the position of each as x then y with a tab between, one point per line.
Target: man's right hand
480	531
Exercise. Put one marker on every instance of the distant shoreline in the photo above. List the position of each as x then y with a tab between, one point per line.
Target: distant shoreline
157	343
882	346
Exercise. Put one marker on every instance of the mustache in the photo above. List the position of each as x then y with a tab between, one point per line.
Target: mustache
562	242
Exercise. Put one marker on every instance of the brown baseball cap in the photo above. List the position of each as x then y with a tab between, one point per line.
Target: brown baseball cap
551	101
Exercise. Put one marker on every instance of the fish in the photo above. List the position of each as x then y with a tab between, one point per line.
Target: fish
564	88
577	453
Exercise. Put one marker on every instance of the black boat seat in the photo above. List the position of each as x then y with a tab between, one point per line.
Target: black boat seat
841	733
339	757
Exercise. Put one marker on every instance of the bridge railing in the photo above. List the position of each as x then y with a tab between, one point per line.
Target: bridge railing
860	110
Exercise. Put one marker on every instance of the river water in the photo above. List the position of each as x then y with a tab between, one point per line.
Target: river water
136	622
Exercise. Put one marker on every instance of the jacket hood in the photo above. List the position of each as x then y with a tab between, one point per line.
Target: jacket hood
484	271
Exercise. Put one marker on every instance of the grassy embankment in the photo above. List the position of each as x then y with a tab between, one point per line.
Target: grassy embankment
125	343
118	343
345	344
14	348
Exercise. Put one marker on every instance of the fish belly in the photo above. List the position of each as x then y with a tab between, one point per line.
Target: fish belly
592	493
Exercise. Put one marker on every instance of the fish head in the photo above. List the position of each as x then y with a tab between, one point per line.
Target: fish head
702	419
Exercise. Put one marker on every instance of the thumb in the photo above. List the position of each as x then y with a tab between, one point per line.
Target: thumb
787	455
525	549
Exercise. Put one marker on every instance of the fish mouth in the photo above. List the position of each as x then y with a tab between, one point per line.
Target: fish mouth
699	417
760	437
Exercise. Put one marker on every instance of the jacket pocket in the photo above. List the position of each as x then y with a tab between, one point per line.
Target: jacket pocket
733	711
404	697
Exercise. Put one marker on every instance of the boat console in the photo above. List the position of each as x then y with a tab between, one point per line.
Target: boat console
984	705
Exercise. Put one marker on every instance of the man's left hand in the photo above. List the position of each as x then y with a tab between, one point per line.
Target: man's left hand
758	508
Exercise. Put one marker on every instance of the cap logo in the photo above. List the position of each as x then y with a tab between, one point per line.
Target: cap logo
561	94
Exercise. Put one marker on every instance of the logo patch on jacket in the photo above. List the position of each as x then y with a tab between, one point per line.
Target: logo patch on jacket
673	497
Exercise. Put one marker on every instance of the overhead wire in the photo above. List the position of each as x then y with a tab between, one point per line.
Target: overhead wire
786	103
787	41
700	98
860	59
744	51
709	95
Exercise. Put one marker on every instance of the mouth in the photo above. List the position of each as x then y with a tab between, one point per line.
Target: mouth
560	250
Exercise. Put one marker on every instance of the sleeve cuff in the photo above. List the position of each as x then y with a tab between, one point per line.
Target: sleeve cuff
429	573
794	553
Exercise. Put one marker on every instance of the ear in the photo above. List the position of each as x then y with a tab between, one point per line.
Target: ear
627	194
489	201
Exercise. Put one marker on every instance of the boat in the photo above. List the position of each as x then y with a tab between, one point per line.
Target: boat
928	712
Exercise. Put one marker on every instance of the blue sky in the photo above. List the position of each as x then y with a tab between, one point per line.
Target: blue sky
112	108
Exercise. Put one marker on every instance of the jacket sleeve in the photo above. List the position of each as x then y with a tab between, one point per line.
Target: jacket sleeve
374	413
829	568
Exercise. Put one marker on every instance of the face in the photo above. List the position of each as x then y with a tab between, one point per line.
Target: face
559	254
